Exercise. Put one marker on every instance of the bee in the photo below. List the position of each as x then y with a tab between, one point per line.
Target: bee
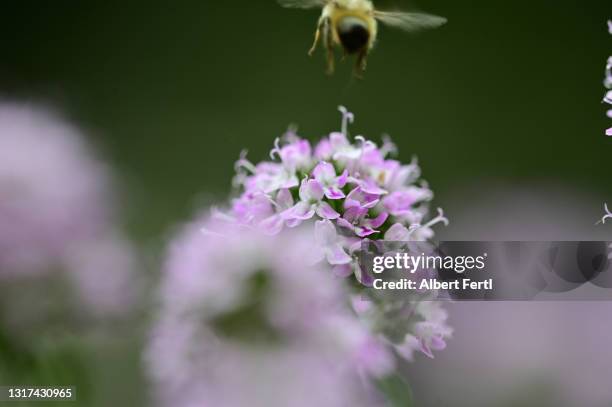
353	26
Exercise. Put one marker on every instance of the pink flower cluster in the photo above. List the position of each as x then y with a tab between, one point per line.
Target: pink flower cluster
352	189
608	83
350	192
250	294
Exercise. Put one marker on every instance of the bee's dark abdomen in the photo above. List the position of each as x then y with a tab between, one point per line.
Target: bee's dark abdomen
353	37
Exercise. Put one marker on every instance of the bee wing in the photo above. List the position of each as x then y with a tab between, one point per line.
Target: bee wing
409	21
302	3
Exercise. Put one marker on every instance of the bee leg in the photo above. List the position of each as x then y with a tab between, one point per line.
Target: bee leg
330	60
361	63
329	45
316	41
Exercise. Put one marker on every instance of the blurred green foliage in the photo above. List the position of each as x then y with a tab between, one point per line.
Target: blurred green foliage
396	390
173	92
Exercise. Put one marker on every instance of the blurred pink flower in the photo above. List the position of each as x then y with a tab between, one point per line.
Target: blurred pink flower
246	319
52	193
56	214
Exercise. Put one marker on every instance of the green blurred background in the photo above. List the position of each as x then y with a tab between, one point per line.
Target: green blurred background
173	92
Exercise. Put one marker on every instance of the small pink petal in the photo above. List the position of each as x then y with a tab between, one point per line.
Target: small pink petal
334	193
342	270
370	187
290	183
325	210
371	204
423	347
437	343
338	140
311	190
362	231
356	245
397	232
301	210
284	198
324	171
354	194
379	220
353	213
336	255
345	223
323	150
342	179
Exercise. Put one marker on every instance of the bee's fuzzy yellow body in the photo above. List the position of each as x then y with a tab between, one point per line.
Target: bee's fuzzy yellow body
353	26
359	9
340	18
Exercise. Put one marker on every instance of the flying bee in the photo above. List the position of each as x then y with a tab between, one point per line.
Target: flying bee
353	26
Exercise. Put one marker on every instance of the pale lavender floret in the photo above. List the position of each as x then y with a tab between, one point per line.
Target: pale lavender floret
295	155
326	236
311	195
396	176
369	186
400	203
273	224
429	334
321	344
357	206
344	152
252	207
266	177
325	174
607	215
361	199
416	232
399	233
354	219
323	150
